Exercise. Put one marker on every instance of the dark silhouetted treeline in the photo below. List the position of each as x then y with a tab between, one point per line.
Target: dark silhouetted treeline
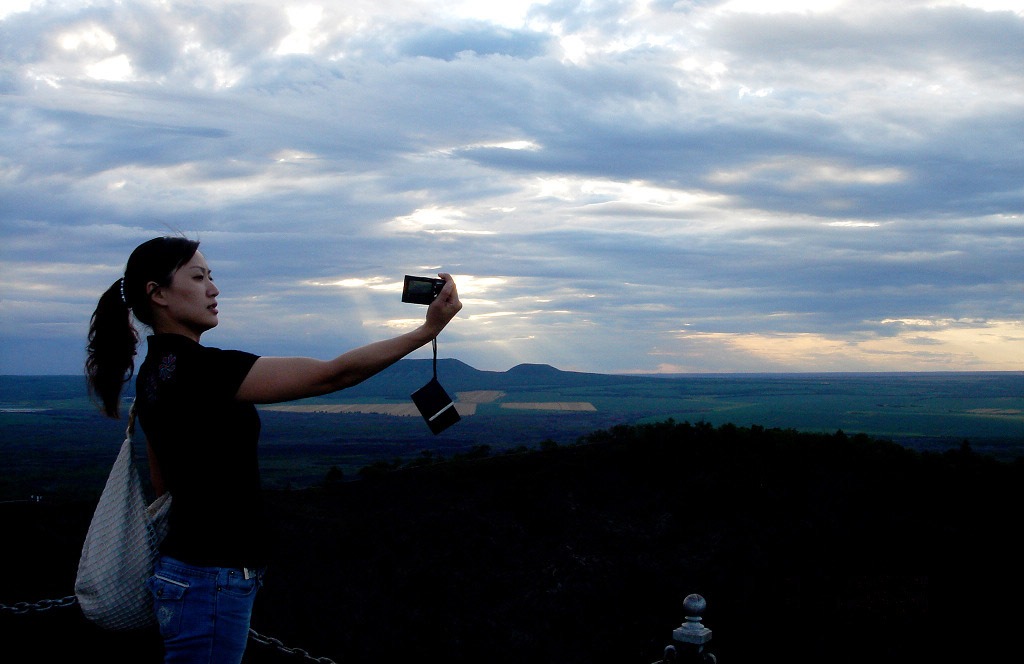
807	547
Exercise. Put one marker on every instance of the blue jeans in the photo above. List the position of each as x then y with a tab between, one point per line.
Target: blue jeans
203	612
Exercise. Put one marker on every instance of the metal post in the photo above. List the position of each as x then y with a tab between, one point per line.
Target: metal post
692	631
690	638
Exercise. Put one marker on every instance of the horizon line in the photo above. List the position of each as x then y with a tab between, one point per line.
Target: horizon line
650	374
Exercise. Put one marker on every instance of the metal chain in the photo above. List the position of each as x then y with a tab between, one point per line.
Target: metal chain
271	641
21	608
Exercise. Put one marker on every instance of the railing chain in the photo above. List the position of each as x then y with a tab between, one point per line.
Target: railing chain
276	643
21	608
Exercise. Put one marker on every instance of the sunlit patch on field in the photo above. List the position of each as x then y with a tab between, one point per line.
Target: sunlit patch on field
479	396
395	409
576	406
996	411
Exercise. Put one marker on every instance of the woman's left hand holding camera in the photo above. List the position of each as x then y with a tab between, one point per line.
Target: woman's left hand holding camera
444	307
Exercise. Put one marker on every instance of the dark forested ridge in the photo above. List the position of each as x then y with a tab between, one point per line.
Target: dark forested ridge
808	547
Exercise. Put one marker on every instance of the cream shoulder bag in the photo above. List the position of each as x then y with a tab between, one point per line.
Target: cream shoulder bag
121	547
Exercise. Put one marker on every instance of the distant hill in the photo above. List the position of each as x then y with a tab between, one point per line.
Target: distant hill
397	381
406	376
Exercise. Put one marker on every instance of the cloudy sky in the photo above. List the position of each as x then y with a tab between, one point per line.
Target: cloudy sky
618	185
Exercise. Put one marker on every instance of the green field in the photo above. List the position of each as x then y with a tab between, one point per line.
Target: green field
54	442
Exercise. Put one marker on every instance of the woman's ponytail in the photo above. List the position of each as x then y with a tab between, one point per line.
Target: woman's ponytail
112	345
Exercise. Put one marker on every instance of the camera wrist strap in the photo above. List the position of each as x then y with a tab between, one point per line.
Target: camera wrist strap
434	344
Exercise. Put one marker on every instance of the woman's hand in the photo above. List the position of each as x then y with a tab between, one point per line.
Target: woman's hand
444	307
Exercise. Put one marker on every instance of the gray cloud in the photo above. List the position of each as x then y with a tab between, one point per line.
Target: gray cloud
622	186
900	37
483	40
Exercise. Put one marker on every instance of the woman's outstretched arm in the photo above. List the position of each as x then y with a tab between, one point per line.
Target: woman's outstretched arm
275	379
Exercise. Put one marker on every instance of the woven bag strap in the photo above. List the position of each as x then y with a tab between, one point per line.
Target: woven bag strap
130	431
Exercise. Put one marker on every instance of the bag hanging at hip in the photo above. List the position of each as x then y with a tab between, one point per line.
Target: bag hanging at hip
121	547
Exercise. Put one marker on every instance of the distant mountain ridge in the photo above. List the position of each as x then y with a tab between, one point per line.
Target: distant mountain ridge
397	381
406	376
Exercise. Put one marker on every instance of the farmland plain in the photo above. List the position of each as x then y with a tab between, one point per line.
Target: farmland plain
54	442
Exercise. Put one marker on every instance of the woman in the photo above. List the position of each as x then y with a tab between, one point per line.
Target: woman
196	407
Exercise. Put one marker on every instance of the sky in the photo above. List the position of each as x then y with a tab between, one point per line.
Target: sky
617	185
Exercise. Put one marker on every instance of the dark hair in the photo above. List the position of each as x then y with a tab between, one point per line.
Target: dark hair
112	336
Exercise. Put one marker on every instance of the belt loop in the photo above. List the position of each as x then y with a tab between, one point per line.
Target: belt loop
245	572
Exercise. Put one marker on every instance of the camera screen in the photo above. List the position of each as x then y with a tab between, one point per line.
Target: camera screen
420	288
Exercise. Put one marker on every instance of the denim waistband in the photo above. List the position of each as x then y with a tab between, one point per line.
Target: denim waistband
197	571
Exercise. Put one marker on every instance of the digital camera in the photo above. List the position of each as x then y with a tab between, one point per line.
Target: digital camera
421	290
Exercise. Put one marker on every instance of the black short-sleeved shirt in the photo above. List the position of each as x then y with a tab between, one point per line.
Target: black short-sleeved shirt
205	443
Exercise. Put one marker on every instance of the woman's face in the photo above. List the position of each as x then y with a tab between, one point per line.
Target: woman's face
189	305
